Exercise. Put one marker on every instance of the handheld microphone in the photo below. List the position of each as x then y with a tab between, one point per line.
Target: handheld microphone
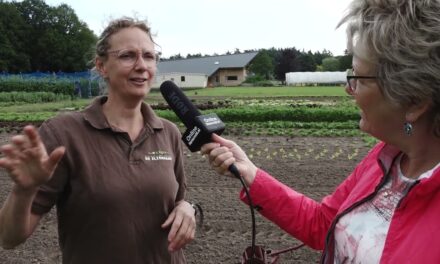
199	128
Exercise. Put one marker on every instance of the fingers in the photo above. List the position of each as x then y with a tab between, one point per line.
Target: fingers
26	158
220	158
169	220
14	153
183	226
21	143
218	155
222	141
9	151
222	162
22	147
217	142
206	149
185	234
9	159
176	223
28	139
32	134
55	157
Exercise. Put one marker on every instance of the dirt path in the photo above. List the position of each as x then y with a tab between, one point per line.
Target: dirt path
313	166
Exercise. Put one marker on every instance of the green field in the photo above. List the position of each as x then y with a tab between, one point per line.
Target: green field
250	92
242	93
262	111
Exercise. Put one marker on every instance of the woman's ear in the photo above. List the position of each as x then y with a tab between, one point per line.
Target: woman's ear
99	64
416	111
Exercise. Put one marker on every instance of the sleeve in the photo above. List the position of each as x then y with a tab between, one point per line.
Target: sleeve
49	193
179	169
297	214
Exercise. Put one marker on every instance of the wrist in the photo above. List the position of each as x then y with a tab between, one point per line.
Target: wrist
198	213
194	206
250	175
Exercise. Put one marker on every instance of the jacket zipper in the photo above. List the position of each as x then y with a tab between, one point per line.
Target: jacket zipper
378	187
369	197
406	194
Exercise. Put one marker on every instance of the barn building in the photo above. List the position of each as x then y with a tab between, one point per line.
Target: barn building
223	70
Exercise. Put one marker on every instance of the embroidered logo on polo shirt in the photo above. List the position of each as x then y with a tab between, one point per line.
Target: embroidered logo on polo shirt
158	155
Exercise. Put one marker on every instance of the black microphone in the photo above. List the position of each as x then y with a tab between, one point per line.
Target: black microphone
199	128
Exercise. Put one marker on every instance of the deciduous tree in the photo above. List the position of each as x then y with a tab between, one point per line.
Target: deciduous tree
262	65
13	33
44	38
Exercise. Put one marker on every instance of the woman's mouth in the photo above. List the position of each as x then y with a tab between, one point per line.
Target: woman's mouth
138	81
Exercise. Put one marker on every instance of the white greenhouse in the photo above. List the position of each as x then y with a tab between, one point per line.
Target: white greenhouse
303	78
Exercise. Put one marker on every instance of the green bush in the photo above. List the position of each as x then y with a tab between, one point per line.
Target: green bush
254	79
264	84
35	97
86	85
34	85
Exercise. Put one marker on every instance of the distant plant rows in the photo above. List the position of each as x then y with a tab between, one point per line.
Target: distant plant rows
62	88
284	116
34	97
283	120
287	114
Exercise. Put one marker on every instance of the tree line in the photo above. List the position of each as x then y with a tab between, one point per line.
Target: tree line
274	63
37	37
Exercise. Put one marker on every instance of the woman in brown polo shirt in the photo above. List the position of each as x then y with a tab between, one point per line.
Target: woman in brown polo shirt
114	170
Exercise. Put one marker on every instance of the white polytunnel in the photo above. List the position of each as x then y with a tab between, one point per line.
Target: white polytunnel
299	78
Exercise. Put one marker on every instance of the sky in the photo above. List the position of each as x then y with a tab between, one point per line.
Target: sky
218	26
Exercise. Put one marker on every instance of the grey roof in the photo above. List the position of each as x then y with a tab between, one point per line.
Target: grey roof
206	65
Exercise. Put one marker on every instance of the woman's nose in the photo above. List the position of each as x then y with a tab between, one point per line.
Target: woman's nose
144	64
348	90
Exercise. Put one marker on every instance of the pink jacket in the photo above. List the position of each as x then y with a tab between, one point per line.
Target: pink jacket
414	233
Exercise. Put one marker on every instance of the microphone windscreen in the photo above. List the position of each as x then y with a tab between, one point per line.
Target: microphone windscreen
179	103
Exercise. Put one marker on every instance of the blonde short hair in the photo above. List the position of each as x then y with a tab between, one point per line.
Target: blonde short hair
402	38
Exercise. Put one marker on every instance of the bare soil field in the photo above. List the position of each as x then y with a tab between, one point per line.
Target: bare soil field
314	166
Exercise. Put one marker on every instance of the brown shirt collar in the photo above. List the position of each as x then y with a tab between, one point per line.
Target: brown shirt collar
95	115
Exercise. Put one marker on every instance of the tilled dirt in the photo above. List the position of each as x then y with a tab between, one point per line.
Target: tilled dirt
314	166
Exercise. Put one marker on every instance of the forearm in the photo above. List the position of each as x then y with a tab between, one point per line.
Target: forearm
292	211
16	223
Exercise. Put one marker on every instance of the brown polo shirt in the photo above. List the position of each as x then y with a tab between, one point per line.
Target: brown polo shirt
112	194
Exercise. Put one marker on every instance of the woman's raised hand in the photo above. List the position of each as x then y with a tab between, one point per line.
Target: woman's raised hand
27	161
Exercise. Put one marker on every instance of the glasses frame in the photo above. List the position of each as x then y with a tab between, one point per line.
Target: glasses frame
138	53
350	77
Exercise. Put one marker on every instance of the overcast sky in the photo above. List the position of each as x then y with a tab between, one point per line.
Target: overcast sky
218	26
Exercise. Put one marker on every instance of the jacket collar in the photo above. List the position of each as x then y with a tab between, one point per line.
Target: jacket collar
387	155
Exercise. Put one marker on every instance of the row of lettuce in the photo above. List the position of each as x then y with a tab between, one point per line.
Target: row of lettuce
338	120
39	100
284	120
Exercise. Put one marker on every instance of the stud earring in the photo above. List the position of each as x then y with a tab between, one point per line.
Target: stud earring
408	128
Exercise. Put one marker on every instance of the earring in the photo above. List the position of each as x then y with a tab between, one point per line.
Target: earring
407	127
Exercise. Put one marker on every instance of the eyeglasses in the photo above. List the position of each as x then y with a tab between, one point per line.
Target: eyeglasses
352	79
129	57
